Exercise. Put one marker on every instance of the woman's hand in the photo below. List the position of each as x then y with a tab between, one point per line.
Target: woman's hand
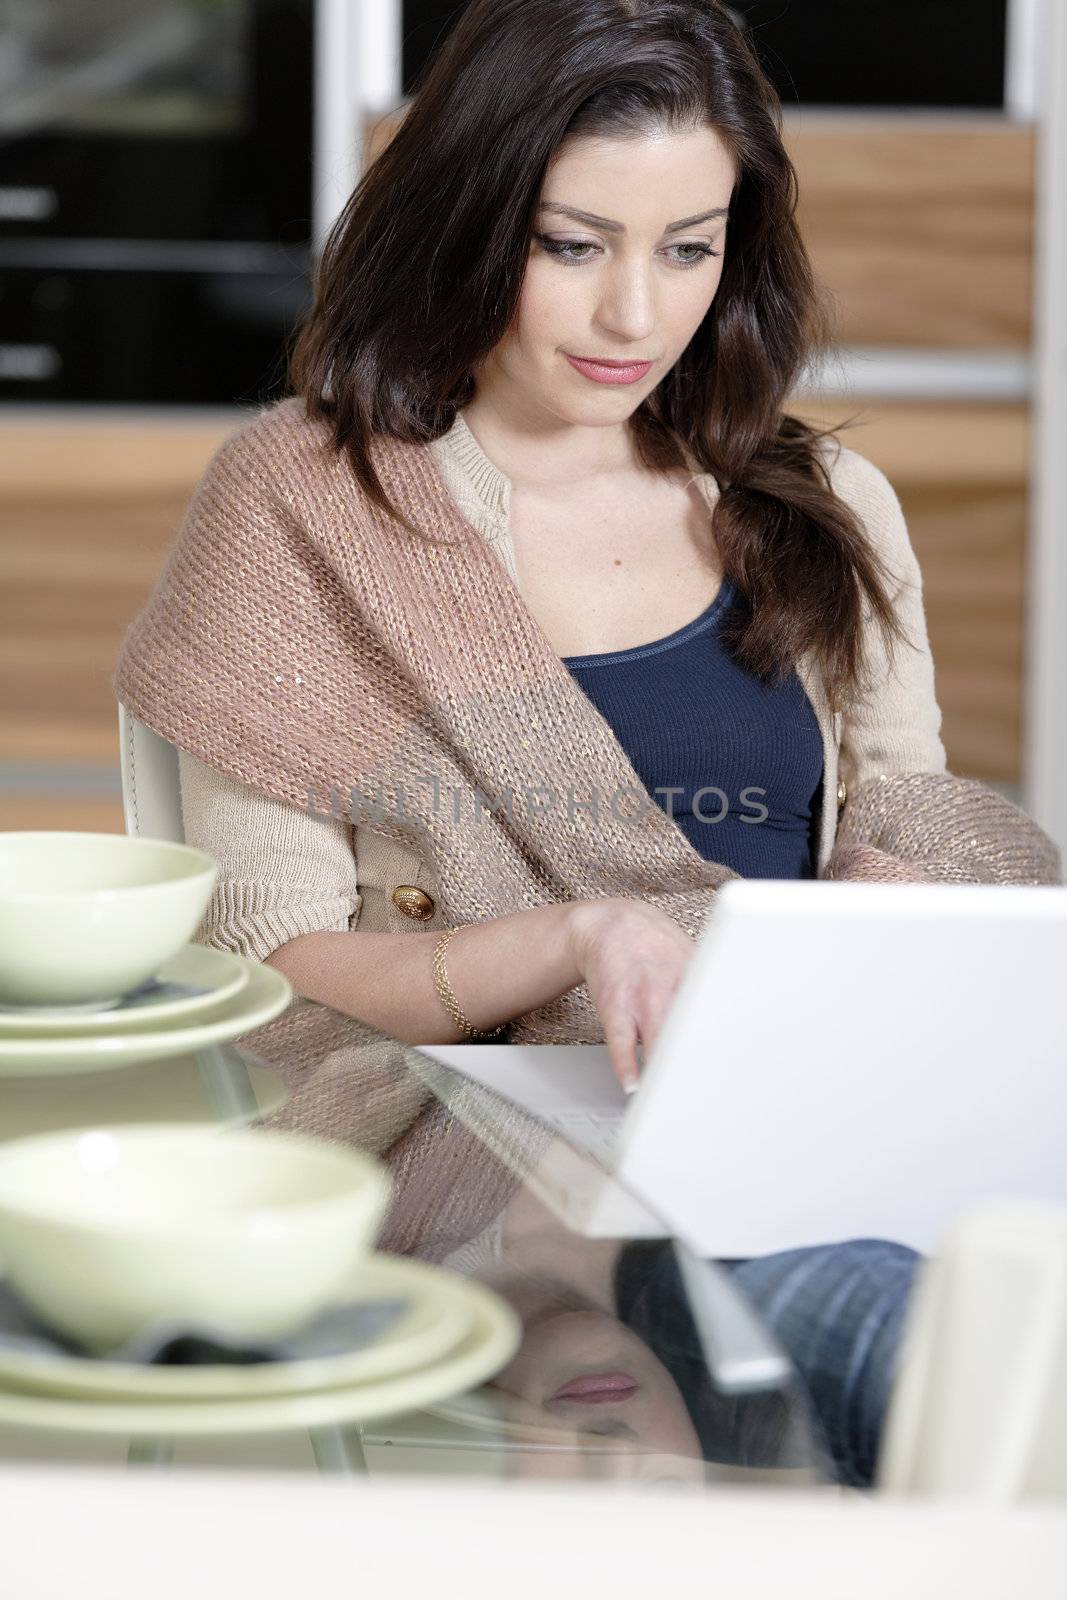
632	958
865	863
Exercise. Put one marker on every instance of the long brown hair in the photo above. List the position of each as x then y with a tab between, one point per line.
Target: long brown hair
421	274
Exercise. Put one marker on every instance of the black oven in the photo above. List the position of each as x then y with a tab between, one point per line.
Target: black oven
155	197
869	53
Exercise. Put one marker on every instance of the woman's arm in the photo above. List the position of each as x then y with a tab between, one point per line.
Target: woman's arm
287	894
949	829
631	956
281	874
903	802
895	726
498	970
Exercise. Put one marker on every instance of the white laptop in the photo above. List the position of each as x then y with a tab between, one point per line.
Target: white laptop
842	1061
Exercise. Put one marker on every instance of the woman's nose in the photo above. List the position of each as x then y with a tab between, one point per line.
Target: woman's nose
628	305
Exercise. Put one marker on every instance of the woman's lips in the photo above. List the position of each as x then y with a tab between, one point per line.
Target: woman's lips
610	371
598	1389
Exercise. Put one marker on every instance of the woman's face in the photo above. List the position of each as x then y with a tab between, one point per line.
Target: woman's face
593	1379
629	281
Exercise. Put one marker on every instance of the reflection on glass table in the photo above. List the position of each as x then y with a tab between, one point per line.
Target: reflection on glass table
636	1360
220	1083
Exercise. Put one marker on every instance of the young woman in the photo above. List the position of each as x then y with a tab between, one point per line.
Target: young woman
535	538
564	309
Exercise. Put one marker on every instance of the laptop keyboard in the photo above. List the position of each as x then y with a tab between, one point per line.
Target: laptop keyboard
595	1132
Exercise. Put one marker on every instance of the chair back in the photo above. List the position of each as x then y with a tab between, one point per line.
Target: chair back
980	1403
151	789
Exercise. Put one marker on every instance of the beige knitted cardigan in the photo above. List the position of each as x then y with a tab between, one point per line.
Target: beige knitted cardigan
302	644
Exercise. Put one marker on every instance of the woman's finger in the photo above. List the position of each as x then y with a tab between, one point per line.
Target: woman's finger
620	1036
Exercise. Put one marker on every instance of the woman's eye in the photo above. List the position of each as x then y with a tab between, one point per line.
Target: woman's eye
703	252
560	248
563	250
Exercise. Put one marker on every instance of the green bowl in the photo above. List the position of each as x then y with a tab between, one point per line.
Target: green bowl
105	1230
85	917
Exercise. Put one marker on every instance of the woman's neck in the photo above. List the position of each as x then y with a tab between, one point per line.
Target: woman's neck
550	453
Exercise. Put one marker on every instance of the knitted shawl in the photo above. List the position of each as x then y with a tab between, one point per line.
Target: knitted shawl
303	642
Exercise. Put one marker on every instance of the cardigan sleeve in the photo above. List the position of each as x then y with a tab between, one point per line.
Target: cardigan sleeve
894	725
901	797
282	871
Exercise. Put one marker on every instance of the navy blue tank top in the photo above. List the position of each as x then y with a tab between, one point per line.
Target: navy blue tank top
737	763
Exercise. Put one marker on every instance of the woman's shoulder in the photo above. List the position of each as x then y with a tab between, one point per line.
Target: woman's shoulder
281	447
856	477
280	431
866	490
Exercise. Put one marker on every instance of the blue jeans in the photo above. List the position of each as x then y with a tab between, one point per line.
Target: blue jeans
838	1310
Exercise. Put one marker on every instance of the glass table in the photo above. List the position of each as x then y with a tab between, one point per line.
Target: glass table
635	1360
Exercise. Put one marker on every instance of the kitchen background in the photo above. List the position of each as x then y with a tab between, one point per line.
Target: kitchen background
168	169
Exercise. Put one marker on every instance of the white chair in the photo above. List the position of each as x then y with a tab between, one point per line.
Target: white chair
151	790
980	1404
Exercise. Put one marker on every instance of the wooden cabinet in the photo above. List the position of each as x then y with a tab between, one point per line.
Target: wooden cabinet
87	513
921	229
961	473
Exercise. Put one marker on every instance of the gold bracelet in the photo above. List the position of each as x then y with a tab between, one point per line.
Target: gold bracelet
444	989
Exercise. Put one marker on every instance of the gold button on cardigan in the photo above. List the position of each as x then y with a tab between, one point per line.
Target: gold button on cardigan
284	871
413	902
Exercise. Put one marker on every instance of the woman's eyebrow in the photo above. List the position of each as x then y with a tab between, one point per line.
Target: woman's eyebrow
617	227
